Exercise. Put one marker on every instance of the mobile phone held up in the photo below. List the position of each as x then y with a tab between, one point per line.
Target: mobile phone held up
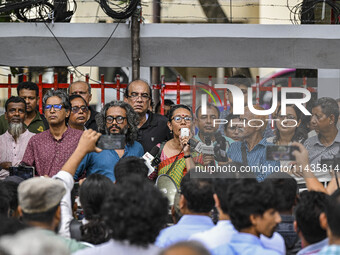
24	172
280	152
111	142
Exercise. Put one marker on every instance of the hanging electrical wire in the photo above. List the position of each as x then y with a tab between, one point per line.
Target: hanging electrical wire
119	9
305	11
40	10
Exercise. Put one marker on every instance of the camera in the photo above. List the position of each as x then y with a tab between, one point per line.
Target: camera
280	152
24	172
111	142
332	163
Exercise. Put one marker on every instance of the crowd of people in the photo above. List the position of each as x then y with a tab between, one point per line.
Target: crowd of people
63	192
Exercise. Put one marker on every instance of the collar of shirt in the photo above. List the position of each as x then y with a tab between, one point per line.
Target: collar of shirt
225	224
195	220
10	137
262	143
245	238
316	140
313	248
150	122
63	135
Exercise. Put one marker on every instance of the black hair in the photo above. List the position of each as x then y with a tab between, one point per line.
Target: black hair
58	93
70	98
28	85
130	165
286	190
307	212
328	106
239	79
45	217
229	118
12	188
173	108
10	226
135	211
126	92
221	187
92	194
167	102
14	99
132	119
248	197
4	200
333	213
209	105
198	192
300	134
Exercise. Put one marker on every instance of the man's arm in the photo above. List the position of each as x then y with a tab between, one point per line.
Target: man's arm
302	164
87	144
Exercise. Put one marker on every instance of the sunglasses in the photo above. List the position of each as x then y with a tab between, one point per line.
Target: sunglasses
56	107
75	109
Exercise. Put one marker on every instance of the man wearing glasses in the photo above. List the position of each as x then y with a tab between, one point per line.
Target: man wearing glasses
83	89
208	132
325	145
116	118
152	128
49	150
79	112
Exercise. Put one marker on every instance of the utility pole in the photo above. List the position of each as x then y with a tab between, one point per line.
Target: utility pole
156	18
135	43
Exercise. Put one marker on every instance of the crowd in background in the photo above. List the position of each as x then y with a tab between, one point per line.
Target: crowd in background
87	198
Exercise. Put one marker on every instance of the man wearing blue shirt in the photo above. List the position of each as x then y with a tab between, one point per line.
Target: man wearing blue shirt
116	117
252	151
196	202
307	222
252	211
331	219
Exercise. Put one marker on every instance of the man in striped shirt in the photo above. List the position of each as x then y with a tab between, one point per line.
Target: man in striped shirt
252	150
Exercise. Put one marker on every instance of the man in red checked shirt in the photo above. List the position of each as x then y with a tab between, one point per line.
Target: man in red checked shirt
49	150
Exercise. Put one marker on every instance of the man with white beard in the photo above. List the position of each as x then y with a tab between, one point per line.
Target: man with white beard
14	141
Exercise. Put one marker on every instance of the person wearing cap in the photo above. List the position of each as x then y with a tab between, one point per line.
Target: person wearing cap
45	202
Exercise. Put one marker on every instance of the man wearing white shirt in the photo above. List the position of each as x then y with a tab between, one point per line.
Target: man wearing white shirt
14	141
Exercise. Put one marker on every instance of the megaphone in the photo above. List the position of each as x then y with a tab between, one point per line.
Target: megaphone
168	187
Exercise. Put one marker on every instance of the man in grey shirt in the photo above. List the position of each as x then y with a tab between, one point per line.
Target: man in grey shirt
325	113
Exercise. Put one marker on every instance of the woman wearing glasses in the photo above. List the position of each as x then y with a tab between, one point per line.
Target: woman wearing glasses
175	156
288	130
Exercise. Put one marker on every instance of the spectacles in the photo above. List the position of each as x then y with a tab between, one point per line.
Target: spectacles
79	93
56	107
75	109
178	119
119	119
135	96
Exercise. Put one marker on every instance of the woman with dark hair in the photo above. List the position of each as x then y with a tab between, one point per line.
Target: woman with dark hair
175	154
288	128
92	194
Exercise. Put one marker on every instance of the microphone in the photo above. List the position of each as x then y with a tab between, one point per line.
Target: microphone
220	148
151	161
